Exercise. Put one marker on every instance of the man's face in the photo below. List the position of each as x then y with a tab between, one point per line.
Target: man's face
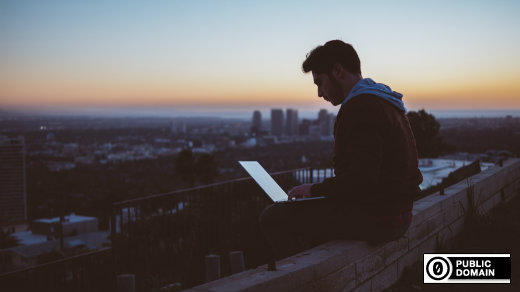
328	87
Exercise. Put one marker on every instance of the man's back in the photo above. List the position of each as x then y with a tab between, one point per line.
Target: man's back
375	158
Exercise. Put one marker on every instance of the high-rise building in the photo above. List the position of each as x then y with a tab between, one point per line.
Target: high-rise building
178	127
322	115
303	128
13	197
276	122
291	122
324	122
256	125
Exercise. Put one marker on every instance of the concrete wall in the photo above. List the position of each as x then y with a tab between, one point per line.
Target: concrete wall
356	266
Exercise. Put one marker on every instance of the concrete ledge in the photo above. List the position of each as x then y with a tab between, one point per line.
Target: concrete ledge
355	266
309	266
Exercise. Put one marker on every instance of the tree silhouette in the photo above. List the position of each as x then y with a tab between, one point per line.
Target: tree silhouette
185	166
7	240
426	131
206	168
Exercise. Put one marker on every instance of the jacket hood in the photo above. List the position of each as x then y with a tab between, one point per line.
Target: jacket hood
368	86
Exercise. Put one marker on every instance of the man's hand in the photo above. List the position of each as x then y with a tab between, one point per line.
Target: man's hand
301	191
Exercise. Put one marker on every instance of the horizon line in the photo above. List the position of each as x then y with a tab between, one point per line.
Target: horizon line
241	113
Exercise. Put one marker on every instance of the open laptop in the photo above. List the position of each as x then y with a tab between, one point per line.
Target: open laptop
267	183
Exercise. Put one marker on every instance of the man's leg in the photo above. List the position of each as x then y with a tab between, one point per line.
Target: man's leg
292	227
388	228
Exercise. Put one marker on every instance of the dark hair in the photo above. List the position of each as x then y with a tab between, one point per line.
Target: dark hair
323	58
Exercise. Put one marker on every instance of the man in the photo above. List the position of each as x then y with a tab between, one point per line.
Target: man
375	163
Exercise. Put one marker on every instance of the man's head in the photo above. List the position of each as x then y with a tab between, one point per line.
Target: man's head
335	69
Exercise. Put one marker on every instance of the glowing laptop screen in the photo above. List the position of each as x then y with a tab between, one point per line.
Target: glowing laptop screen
264	180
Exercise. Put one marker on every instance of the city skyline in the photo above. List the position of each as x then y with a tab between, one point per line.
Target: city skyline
230	56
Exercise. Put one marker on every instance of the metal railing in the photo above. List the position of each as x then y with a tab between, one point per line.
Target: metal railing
164	238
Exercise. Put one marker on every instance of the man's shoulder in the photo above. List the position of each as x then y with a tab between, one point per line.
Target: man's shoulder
364	103
366	99
368	109
371	104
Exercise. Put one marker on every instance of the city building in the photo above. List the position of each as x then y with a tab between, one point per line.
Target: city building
324	122
178	127
13	196
256	125
315	132
23	256
277	122
72	225
291	124
303	128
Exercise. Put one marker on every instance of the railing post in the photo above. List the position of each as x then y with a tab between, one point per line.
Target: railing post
212	267
126	283
236	260
113	225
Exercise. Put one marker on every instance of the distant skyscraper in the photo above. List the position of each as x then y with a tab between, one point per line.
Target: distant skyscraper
276	122
303	128
291	124
322	115
13	198
324	122
256	125
178	127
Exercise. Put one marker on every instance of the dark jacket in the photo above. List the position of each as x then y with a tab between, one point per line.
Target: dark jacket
375	159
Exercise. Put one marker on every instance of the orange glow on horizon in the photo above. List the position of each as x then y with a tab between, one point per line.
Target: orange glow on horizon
442	94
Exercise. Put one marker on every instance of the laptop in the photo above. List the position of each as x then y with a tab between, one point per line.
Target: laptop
268	184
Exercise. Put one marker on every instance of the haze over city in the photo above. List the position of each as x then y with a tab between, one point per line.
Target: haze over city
233	57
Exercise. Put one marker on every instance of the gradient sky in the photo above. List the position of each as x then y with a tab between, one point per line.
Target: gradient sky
248	54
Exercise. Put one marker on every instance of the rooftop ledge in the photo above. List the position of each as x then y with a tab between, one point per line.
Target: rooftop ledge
346	265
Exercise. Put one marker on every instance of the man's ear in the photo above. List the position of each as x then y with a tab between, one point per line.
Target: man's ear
338	70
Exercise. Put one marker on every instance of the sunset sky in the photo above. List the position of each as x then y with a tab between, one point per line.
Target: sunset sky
248	54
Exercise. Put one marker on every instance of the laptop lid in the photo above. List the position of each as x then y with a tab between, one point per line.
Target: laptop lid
264	180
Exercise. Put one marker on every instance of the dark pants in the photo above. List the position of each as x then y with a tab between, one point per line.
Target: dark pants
293	227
